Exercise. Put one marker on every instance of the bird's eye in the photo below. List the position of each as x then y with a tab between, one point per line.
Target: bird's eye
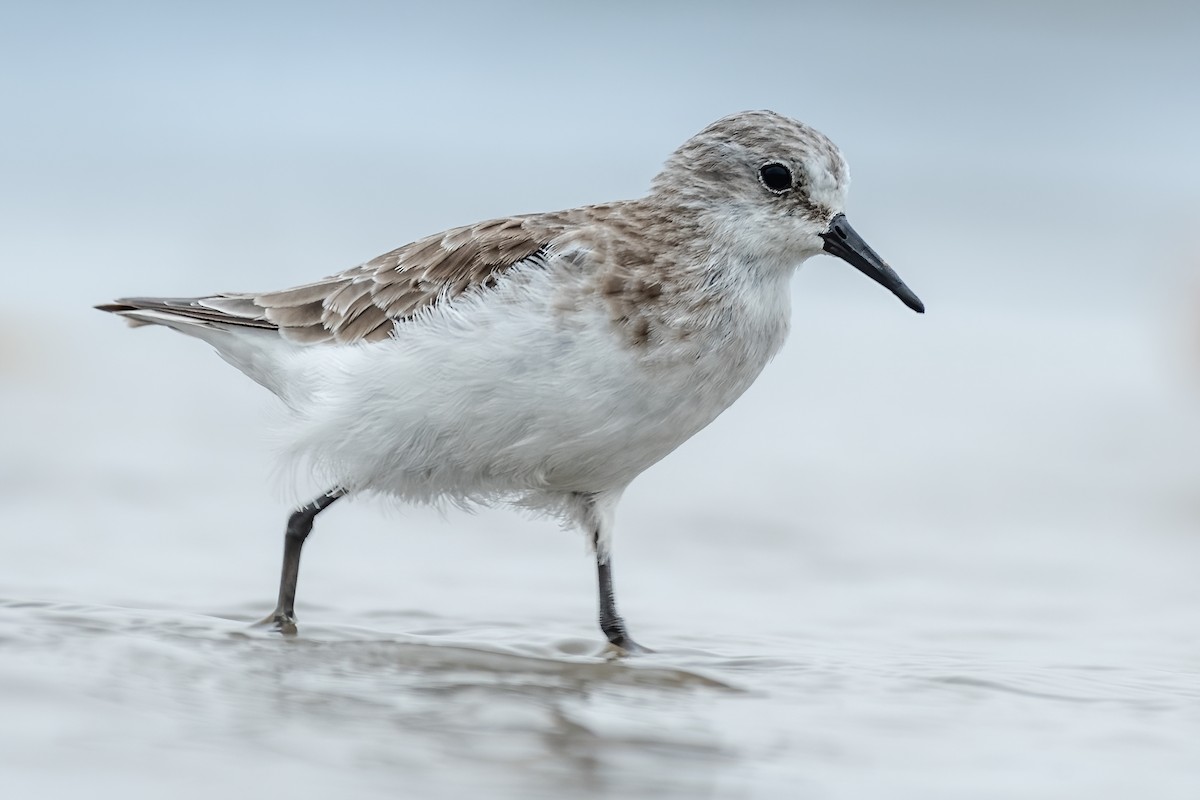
776	177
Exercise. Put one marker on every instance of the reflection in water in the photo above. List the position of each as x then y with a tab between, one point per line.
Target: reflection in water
450	713
534	715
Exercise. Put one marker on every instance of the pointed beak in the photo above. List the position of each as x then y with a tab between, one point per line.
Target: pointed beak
842	241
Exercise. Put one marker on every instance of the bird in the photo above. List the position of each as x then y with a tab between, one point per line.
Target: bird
542	360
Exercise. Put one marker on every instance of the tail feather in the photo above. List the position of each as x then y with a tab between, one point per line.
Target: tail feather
219	310
232	324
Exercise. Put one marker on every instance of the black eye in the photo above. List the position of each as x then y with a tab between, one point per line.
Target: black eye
775	177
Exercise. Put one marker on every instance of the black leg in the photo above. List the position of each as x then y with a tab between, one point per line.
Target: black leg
610	621
299	525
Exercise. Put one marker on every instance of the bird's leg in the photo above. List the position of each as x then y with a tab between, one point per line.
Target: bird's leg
300	524
610	621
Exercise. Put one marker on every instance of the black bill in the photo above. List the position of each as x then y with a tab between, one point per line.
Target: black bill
842	241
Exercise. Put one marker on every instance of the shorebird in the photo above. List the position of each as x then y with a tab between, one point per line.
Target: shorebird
544	360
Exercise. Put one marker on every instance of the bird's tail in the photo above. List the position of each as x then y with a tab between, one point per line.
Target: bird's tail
232	324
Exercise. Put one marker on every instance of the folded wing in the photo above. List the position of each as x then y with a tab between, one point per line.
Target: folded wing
365	302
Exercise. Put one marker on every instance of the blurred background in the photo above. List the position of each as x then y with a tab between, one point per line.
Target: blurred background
924	556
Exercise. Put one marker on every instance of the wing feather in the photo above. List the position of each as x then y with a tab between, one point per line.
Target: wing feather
364	303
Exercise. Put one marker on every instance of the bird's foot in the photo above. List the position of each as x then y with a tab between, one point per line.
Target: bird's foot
624	645
619	638
279	620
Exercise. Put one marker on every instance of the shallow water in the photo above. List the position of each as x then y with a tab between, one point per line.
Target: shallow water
139	699
165	694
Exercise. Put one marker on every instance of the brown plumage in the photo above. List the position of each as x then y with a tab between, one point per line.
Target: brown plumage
364	303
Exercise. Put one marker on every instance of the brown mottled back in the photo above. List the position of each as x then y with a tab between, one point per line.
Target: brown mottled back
605	242
365	302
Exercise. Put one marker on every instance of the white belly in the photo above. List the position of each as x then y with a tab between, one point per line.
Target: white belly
489	399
